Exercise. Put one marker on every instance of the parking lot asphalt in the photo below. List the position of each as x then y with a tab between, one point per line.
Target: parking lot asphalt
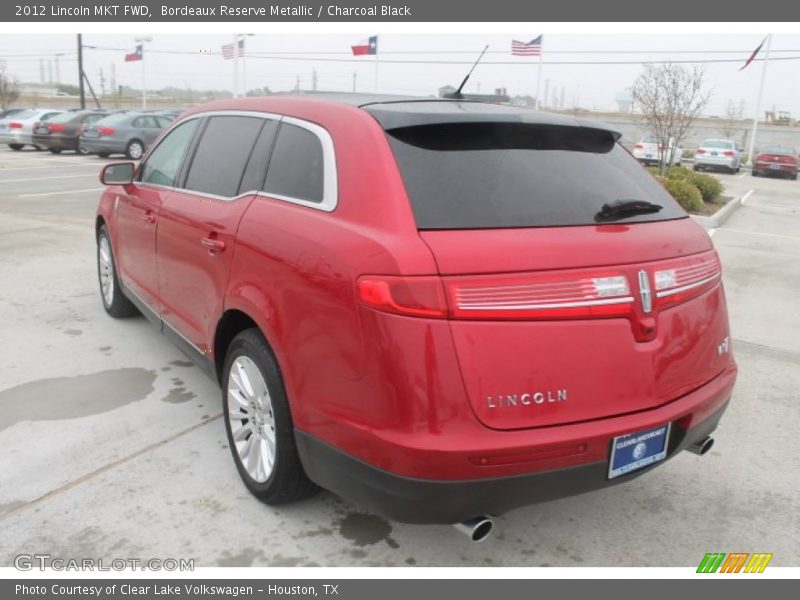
113	446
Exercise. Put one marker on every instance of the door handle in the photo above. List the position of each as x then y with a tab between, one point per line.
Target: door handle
214	245
149	217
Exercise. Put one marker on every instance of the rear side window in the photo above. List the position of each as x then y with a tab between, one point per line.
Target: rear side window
161	167
145	122
296	169
500	175
222	154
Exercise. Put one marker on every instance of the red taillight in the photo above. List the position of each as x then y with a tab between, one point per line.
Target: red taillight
582	295
566	296
105	130
410	296
638	146
699	151
55	127
729	153
685	279
15	125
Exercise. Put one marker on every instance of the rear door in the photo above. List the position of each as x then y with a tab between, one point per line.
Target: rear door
559	312
198	222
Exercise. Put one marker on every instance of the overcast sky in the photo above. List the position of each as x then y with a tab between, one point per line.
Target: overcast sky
590	86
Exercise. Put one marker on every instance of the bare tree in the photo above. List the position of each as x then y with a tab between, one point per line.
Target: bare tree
669	98
731	122
9	90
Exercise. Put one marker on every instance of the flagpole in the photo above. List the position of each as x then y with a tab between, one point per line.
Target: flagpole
235	66
539	77
750	156
377	50
143	40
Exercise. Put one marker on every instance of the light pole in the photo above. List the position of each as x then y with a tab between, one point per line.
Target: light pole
143	40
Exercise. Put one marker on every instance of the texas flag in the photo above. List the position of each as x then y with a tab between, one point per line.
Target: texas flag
133	56
368	46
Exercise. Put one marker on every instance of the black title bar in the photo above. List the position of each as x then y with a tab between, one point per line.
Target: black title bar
439	11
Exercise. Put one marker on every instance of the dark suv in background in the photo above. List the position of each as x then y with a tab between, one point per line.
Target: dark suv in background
62	132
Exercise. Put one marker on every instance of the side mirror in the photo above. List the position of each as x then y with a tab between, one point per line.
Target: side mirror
117	173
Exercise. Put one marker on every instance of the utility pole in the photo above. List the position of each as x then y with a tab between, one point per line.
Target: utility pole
81	92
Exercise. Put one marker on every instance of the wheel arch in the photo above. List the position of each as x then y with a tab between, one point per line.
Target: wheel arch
232	322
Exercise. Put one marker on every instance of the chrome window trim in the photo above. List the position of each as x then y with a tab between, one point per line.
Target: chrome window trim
330	185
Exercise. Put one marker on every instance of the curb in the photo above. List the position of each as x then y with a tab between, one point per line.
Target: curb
723	214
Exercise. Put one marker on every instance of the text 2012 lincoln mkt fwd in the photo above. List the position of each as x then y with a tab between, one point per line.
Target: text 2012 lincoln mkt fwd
440	310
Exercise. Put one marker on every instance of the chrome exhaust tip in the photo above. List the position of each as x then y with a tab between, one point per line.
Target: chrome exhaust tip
477	529
702	446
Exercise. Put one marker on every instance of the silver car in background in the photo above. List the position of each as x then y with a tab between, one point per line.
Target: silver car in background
717	154
16	129
127	133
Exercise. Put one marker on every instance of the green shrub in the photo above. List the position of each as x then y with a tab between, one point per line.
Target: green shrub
680	173
710	187
686	193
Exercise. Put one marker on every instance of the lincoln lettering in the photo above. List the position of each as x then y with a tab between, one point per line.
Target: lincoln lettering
526	399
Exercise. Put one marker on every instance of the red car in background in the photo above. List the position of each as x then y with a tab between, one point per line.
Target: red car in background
776	160
417	304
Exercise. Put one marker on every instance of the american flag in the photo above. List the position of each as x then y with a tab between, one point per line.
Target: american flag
227	50
532	48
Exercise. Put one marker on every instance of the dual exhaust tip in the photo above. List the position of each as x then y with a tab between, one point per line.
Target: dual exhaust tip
479	528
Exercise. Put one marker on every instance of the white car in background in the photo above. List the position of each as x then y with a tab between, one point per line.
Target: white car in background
717	154
647	151
16	130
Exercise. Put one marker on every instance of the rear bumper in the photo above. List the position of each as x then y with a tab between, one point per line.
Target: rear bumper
708	161
59	143
776	168
429	500
15	136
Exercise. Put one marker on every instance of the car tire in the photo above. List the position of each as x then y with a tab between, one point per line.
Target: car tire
794	176
259	423
134	150
755	173
696	168
82	151
103	154
55	150
114	301
16	147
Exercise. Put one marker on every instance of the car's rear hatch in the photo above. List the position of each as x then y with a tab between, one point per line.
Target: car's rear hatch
560	312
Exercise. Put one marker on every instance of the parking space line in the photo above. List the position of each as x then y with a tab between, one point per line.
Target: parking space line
60	192
772	235
27	179
112	465
64	166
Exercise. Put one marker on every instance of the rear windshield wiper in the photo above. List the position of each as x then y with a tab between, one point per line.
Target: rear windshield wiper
619	209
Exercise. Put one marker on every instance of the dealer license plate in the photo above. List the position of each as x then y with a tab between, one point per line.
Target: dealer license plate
637	450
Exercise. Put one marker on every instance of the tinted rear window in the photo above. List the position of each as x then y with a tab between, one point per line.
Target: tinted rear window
779	150
296	169
496	175
716	144
222	154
